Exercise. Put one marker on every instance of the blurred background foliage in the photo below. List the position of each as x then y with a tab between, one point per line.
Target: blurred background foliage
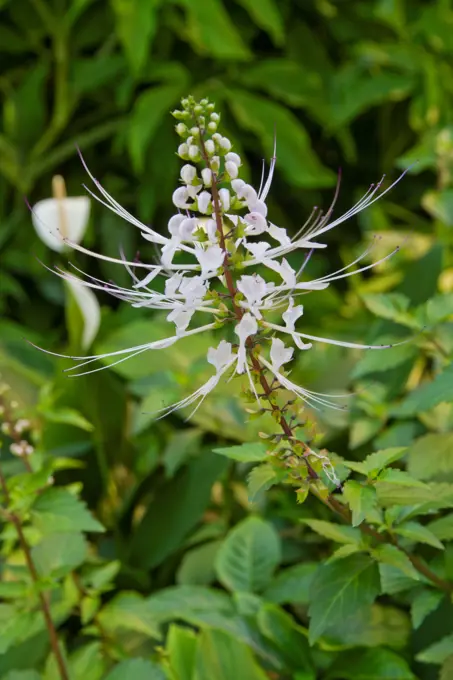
365	86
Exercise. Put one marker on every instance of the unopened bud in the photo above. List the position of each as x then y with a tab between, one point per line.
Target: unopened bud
194	152
181	129
212	127
209	147
183	152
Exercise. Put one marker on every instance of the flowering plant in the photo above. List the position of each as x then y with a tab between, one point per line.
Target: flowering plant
222	231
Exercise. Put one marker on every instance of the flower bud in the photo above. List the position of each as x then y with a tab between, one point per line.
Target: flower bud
215	117
188	173
183	151
206	175
232	169
181	129
225	144
224	196
195	132
204	202
194	153
174	223
209	147
180	197
232	157
198	109
215	163
210	107
204	102
212	127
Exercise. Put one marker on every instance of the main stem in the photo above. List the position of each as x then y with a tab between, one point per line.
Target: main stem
43	600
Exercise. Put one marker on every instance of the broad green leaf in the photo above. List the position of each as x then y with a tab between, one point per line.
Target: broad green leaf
289	638
291	584
67	416
206	21
181	648
138	669
418	533
181	446
339	590
438	652
345	551
252	452
59	553
395	494
400	478
261	478
88	662
390	554
442	528
15	626
439	308
372	664
136	24
266	118
375	462
431	457
12	590
284	79
440	205
392	306
149	109
86	79
22	675
393	580
376	626
363	430
249	555
428	395
57	510
197	565
179	503
362	500
425	602
221	656
129	611
446	672
182	602
335	532
266	15
378	362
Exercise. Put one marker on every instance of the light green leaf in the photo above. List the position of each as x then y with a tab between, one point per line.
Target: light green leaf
287	80
339	590
223	657
138	669
187	603
362	500
431	457
261	478
135	26
22	675
442	528
392	306
129	611
335	532
266	15
377	362
289	638
206	21
439	204
428	395
88	662
418	533
181	647
376	462
197	565
424	602
264	118
394	494
67	416
252	452
390	554
344	551
438	652
393	580
377	625
149	109
57	510
362	430
372	664
248	556
400	478
446	672
58	554
291	584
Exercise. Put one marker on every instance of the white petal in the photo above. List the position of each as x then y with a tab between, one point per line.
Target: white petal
221	356
180	196
89	308
279	234
204	201
58	219
280	354
224	196
232	169
188	173
232	157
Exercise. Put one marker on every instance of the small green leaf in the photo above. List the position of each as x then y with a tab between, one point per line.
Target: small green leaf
57	510
418	533
378	362
135	26
424	602
248	556
339	590
400	478
129	611
197	565
261	478
181	647
392	306
138	669
428	395
67	416
291	584
335	532
376	462
371	664
390	554
438	652
442	528
266	15
362	500
58	554
245	453
289	638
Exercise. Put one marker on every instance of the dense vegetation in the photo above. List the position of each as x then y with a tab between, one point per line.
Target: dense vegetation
170	549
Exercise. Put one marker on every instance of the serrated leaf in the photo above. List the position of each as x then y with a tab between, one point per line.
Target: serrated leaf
392	306
291	584
438	652
263	117
57	510
245	453
339	590
393	580
335	532
58	554
428	395
266	15
261	478
344	551
431	457
375	462
418	533
396	494
138	669
361	499
424	602
248	556
378	625
390	554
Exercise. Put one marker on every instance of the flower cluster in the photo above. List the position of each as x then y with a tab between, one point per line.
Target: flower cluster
218	236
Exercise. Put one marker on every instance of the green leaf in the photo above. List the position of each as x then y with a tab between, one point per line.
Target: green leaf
378	362
431	457
339	590
442	528
181	446
261	478
248	556
362	430
393	580
418	533
179	504
197	565
58	554
376	626
428	395
206	21
291	584
138	669
425	602
335	532
362	500
400	478
287	80
392	306
439	204
136	26
129	611
438	652
187	603
181	647
376	462
395	494
57	510
390	554
265	118
88	662
266	15
446	672
149	109
22	675
223	657
289	638
252	452
372	664
67	416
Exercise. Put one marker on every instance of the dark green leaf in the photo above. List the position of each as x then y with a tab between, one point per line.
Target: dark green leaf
223	657
136	25
372	664
291	584
424	602
289	638
390	554
438	652
266	15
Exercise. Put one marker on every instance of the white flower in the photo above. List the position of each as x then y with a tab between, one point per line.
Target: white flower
194	152
279	235
183	151
204	202
209	147
232	169
187	227
256	223
246	327
220	357
280	354
254	288
224	196
174	223
210	259
206	175
225	144
232	157
180	196
188	173
290	317
89	308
